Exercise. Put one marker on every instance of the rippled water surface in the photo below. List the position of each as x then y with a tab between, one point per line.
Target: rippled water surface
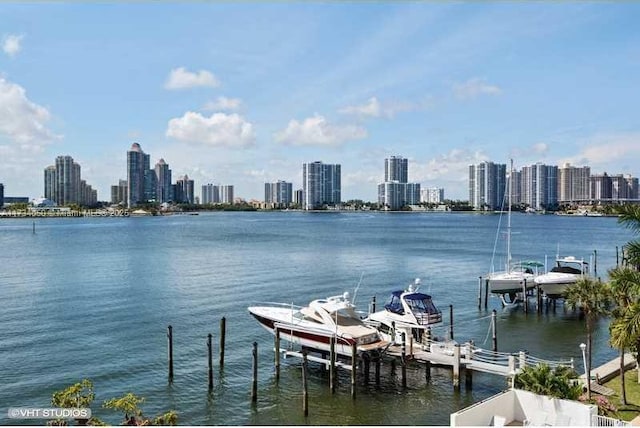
92	298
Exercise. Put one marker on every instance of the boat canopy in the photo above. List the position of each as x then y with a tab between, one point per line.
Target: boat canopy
418	302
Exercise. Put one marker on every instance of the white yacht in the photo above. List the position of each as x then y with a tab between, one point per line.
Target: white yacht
313	326
567	271
408	311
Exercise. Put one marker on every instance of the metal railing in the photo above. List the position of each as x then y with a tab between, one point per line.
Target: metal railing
605	421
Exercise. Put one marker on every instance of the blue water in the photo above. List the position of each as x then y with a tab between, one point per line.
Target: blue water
92	298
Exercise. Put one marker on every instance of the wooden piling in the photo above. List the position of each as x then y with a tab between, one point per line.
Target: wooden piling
479	293
354	366
332	364
524	296
494	328
377	364
595	262
277	353
451	322
373	304
223	333
404	360
254	383
538	299
617	257
486	292
366	365
170	351
468	381
210	360
305	392
428	338
456	366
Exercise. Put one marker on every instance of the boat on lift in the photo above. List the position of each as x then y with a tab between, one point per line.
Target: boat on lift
567	271
516	276
314	325
407	311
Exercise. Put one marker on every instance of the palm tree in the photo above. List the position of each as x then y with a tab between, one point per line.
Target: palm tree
625	291
592	297
630	217
541	379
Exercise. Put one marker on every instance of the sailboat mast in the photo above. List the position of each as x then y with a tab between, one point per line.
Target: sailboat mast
508	269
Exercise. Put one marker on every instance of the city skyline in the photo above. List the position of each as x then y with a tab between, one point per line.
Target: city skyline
246	93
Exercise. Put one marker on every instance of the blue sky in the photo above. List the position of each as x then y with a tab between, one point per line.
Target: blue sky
244	93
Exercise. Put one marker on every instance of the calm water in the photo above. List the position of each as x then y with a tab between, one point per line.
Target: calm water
92	297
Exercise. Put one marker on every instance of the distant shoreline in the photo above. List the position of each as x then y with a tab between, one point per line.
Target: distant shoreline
126	213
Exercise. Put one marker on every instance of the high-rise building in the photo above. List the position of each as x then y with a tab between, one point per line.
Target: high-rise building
432	195
613	188
1	195
119	193
50	183
298	197
280	194
574	184
321	184
63	184
539	186
137	176
487	186
184	190
163	182
226	194
67	181
396	168
396	192
210	194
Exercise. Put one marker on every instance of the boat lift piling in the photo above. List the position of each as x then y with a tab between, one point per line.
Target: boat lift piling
276	338
354	360
210	361
451	322
494	335
305	391
486	292
403	360
223	328
332	364
538	299
170	351
254	383
524	296
479	292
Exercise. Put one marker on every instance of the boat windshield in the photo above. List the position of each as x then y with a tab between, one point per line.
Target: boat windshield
394	304
424	305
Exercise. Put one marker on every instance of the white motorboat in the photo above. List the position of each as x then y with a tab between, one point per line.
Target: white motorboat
314	325
409	312
516	276
567	271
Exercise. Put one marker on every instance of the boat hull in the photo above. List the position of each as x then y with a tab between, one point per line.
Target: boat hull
508	283
554	285
305	335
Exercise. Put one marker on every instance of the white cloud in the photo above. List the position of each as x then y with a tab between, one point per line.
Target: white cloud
374	108
223	104
317	131
12	44
609	152
452	166
540	148
22	120
181	78
220	129
473	88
